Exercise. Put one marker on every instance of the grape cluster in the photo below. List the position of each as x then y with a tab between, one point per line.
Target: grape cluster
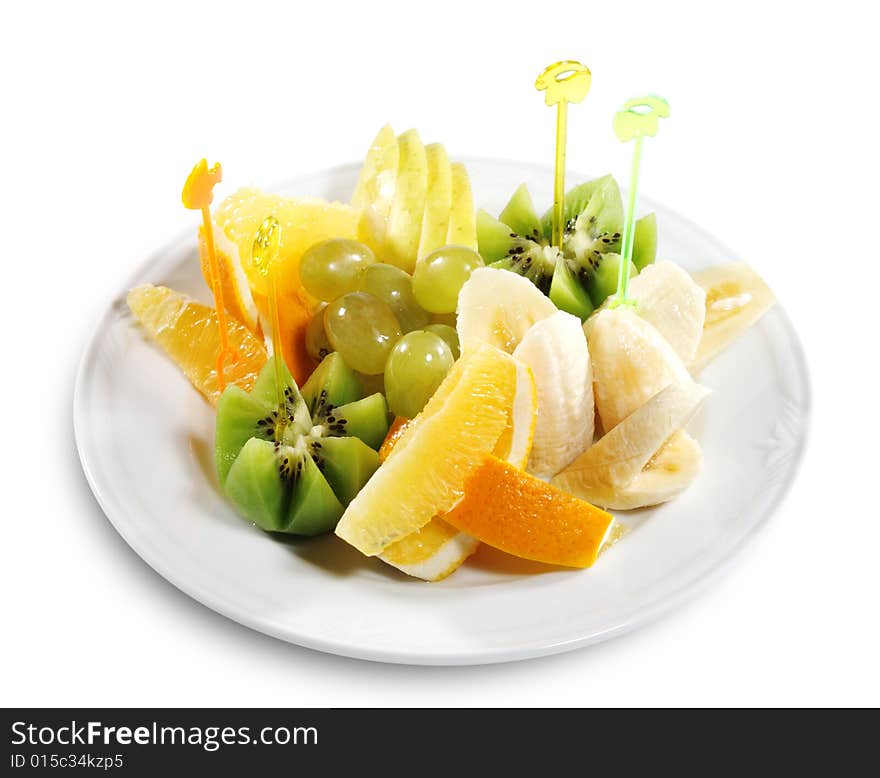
382	320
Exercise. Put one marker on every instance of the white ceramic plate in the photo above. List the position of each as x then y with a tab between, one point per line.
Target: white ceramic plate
145	439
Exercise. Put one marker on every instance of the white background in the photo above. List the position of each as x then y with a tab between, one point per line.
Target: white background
772	147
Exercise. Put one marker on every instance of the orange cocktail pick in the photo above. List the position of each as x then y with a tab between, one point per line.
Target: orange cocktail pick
197	195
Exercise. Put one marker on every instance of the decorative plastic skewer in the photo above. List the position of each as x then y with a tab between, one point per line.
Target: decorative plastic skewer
563	83
637	119
265	254
197	195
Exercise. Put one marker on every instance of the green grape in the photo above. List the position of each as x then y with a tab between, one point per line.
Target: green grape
332	268
439	276
394	286
417	365
363	329
317	342
449	335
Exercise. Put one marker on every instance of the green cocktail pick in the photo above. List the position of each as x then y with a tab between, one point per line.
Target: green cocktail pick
563	83
638	119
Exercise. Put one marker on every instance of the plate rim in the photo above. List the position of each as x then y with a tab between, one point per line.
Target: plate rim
645	614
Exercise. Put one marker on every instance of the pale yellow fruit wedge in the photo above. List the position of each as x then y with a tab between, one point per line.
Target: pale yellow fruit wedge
620	455
376	188
431	553
516	442
632	361
498	307
555	349
736	297
436	550
462	217
408	206
666	475
668	298
462	423
438	200
237	296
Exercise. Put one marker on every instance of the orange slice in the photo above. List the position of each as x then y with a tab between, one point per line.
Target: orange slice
187	331
397	428
237	295
515	512
304	222
437	452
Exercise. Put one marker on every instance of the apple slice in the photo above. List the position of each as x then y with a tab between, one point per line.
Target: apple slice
438	201
405	220
462	219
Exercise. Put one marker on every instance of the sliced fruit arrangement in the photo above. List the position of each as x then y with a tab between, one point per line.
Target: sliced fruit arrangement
293	468
580	276
412	199
440	378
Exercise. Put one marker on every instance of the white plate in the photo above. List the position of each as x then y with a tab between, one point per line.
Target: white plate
145	440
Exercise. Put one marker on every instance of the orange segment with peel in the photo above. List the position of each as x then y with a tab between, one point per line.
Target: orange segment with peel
437	452
304	222
237	295
188	332
515	512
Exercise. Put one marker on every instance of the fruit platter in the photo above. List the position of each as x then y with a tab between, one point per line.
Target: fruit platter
404	377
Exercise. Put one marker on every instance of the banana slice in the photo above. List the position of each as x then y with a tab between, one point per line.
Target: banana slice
632	361
555	349
408	206
617	458
462	218
736	297
668	473
498	307
438	200
668	298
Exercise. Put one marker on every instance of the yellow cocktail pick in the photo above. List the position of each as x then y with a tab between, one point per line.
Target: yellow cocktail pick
265	254
639	118
562	83
197	195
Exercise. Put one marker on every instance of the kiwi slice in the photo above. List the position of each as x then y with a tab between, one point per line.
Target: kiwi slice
603	281
520	242
567	293
298	478
645	241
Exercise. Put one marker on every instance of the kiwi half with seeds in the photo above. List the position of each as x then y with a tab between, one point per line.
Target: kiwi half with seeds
519	241
298	476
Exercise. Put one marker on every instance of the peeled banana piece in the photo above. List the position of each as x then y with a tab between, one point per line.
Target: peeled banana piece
668	298
666	475
498	307
555	349
736	297
632	362
620	455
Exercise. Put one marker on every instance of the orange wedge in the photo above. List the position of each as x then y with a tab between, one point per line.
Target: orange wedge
437	452
239	301
515	512
188	332
397	428
304	222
